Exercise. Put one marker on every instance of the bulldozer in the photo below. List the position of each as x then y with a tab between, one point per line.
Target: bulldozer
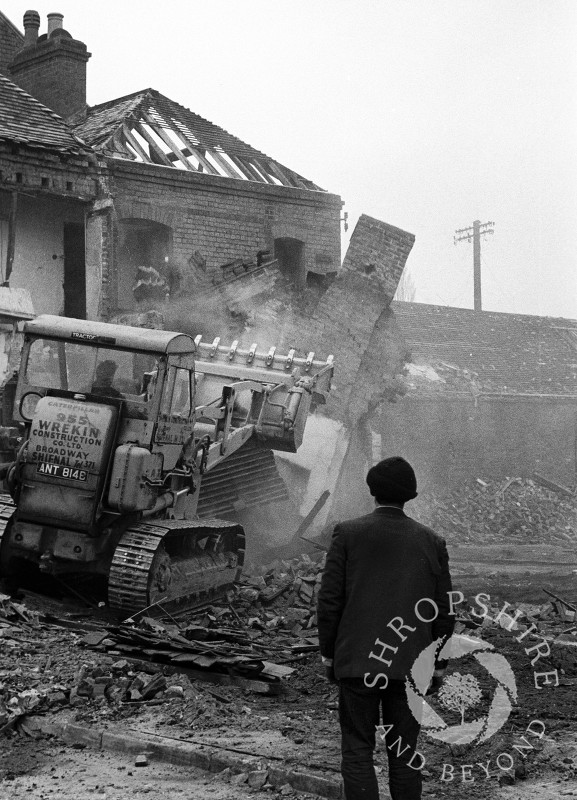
134	442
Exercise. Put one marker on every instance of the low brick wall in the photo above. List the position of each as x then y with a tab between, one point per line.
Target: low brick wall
450	439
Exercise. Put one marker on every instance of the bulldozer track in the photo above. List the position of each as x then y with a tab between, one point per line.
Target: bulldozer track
7	508
129	583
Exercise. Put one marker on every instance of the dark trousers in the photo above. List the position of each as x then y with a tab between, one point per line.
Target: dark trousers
359	713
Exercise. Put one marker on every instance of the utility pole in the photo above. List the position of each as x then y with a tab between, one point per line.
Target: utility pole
474	234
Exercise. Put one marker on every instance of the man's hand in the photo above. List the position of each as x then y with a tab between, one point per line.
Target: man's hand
330	673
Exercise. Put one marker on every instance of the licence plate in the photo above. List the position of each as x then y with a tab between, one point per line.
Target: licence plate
60	471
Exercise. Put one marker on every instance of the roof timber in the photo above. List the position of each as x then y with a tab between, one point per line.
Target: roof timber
134	143
154	149
174	151
230	173
151	128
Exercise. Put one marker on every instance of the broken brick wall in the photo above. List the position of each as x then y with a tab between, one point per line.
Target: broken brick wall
353	320
214	220
348	319
452	439
359	325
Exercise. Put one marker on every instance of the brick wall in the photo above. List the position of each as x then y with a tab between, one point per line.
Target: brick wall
54	72
451	439
353	317
216	220
38	170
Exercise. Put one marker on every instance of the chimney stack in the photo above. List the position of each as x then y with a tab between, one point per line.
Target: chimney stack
54	22
31	27
52	67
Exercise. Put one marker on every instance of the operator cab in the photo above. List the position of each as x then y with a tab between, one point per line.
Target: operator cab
107	409
150	371
87	369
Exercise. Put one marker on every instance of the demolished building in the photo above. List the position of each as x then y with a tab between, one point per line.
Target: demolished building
163	189
138	210
184	225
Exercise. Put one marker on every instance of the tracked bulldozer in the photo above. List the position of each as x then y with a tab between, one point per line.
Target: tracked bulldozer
135	442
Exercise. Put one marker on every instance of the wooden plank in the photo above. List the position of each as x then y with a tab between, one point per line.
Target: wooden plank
276	170
241	167
158	152
11	246
120	145
225	165
194	151
560	600
253	171
297	181
135	144
553	485
312	513
261	165
259	687
168	141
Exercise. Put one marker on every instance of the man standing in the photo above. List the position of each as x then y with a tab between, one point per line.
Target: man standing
384	597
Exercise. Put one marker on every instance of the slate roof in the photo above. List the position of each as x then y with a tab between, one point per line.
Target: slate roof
11	41
489	350
25	120
105	129
102	121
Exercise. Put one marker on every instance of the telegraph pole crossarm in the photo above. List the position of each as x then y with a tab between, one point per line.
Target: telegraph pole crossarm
474	234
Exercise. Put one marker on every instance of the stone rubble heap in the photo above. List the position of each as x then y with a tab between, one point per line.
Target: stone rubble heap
513	510
265	632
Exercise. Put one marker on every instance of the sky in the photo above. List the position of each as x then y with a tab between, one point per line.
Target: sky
425	114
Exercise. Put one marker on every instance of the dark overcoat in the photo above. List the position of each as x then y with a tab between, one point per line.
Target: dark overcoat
383	571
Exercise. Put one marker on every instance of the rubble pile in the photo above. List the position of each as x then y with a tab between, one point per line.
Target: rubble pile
262	640
29	680
487	511
284	594
118	689
237	652
116	682
553	622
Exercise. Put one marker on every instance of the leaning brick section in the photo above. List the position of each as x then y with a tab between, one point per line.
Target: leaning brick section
379	251
349	310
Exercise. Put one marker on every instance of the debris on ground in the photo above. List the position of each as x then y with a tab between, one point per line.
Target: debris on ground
201	674
213	650
509	510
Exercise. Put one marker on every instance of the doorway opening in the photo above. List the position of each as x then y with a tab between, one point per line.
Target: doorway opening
290	254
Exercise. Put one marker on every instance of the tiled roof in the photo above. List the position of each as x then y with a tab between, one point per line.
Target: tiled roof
102	122
147	126
11	41
489	350
25	120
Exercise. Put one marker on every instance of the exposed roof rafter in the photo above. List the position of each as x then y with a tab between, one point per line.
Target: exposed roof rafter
151	128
